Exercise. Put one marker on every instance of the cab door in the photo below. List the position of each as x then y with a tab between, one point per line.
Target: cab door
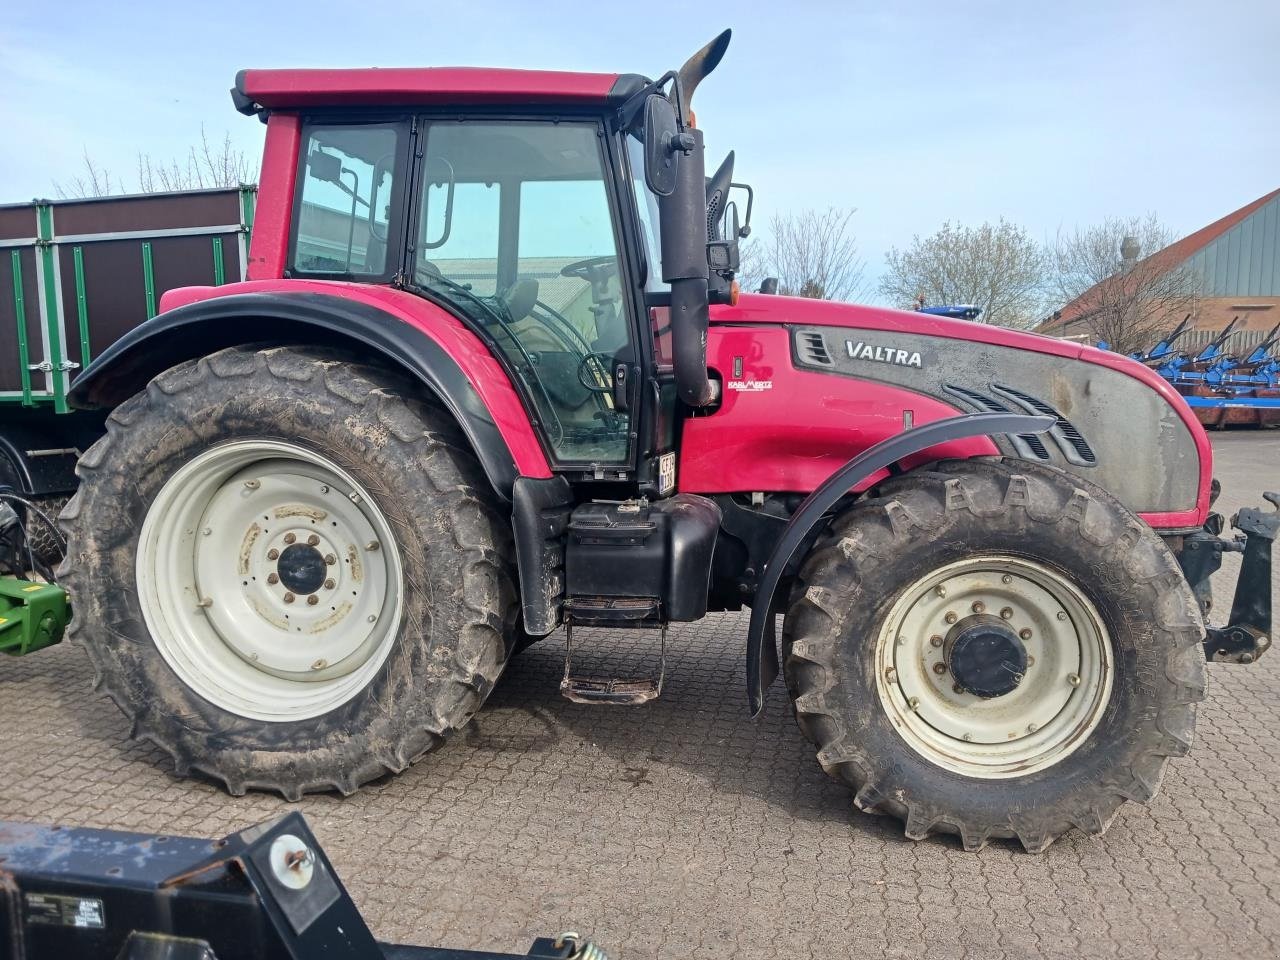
515	228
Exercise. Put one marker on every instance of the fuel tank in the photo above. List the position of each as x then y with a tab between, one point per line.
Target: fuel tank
808	384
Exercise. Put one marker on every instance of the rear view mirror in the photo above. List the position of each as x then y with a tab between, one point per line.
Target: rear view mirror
723	254
660	132
325	166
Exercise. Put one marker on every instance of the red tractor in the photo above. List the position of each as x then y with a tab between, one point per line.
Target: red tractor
490	374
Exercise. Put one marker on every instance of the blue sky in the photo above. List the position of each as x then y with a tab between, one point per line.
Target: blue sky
1046	114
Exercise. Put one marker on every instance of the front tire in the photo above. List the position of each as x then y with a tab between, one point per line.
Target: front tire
288	574
1092	684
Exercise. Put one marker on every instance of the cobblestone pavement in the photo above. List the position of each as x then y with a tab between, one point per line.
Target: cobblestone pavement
683	829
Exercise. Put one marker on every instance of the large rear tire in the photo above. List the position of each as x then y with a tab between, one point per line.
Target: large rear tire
994	649
287	572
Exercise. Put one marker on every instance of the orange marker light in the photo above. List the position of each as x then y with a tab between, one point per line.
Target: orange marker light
734	290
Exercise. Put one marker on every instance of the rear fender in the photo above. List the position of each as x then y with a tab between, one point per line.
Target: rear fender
762	648
436	352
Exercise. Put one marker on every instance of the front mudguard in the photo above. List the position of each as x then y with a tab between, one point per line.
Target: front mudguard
762	647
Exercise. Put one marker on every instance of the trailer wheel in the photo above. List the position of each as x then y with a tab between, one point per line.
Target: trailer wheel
994	649
45	543
288	574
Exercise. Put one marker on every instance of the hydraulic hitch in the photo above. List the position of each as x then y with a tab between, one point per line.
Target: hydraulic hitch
1247	634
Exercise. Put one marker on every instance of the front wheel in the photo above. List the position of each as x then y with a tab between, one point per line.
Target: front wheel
994	649
287	572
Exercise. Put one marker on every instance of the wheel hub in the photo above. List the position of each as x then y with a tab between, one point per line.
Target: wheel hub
985	656
993	666
301	569
271	582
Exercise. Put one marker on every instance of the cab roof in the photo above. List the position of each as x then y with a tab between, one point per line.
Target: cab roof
266	90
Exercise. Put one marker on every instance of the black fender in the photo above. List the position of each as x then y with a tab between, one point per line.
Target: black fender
202	328
762	648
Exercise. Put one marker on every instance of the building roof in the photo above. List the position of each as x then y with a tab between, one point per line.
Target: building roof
1235	255
284	89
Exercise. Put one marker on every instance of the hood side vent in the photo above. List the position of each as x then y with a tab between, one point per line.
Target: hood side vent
1068	438
1029	446
812	348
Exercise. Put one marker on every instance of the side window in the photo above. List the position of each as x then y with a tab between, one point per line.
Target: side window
345	209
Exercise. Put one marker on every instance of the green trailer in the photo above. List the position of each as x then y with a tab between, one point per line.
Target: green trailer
76	275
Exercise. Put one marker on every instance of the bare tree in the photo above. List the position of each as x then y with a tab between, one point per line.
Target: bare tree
206	165
1114	292
94	182
997	267
812	254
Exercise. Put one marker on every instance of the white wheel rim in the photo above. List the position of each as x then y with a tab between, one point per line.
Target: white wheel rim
1051	711
259	632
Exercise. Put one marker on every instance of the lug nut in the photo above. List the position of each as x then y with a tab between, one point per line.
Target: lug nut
372	545
253	484
273	578
950	617
968	736
1073	679
891	675
913	703
329	584
330	559
289	598
956	688
979	606
1006	579
936	640
1025	633
1032	728
1031	662
312	540
902	641
939	668
940	590
1006	613
1062	614
312	600
289	538
207	531
273	554
320	664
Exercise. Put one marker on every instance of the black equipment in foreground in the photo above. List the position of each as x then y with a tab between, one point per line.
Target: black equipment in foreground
265	893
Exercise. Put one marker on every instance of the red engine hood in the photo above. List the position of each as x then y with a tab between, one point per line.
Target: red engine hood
776	310
761	308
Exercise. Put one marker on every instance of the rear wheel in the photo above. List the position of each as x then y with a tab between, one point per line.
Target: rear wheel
287	574
994	649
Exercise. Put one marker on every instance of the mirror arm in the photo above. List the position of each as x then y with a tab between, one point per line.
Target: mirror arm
745	230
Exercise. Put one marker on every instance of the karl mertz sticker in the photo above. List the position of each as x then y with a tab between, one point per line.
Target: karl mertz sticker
750	386
865	351
54	910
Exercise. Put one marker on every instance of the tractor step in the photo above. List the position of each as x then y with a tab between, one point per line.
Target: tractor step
617	691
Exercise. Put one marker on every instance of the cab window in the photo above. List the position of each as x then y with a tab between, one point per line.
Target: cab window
516	230
344	217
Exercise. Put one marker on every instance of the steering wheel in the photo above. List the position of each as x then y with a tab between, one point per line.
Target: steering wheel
593	269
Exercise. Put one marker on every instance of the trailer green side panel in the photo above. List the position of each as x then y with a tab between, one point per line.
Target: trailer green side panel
88	271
